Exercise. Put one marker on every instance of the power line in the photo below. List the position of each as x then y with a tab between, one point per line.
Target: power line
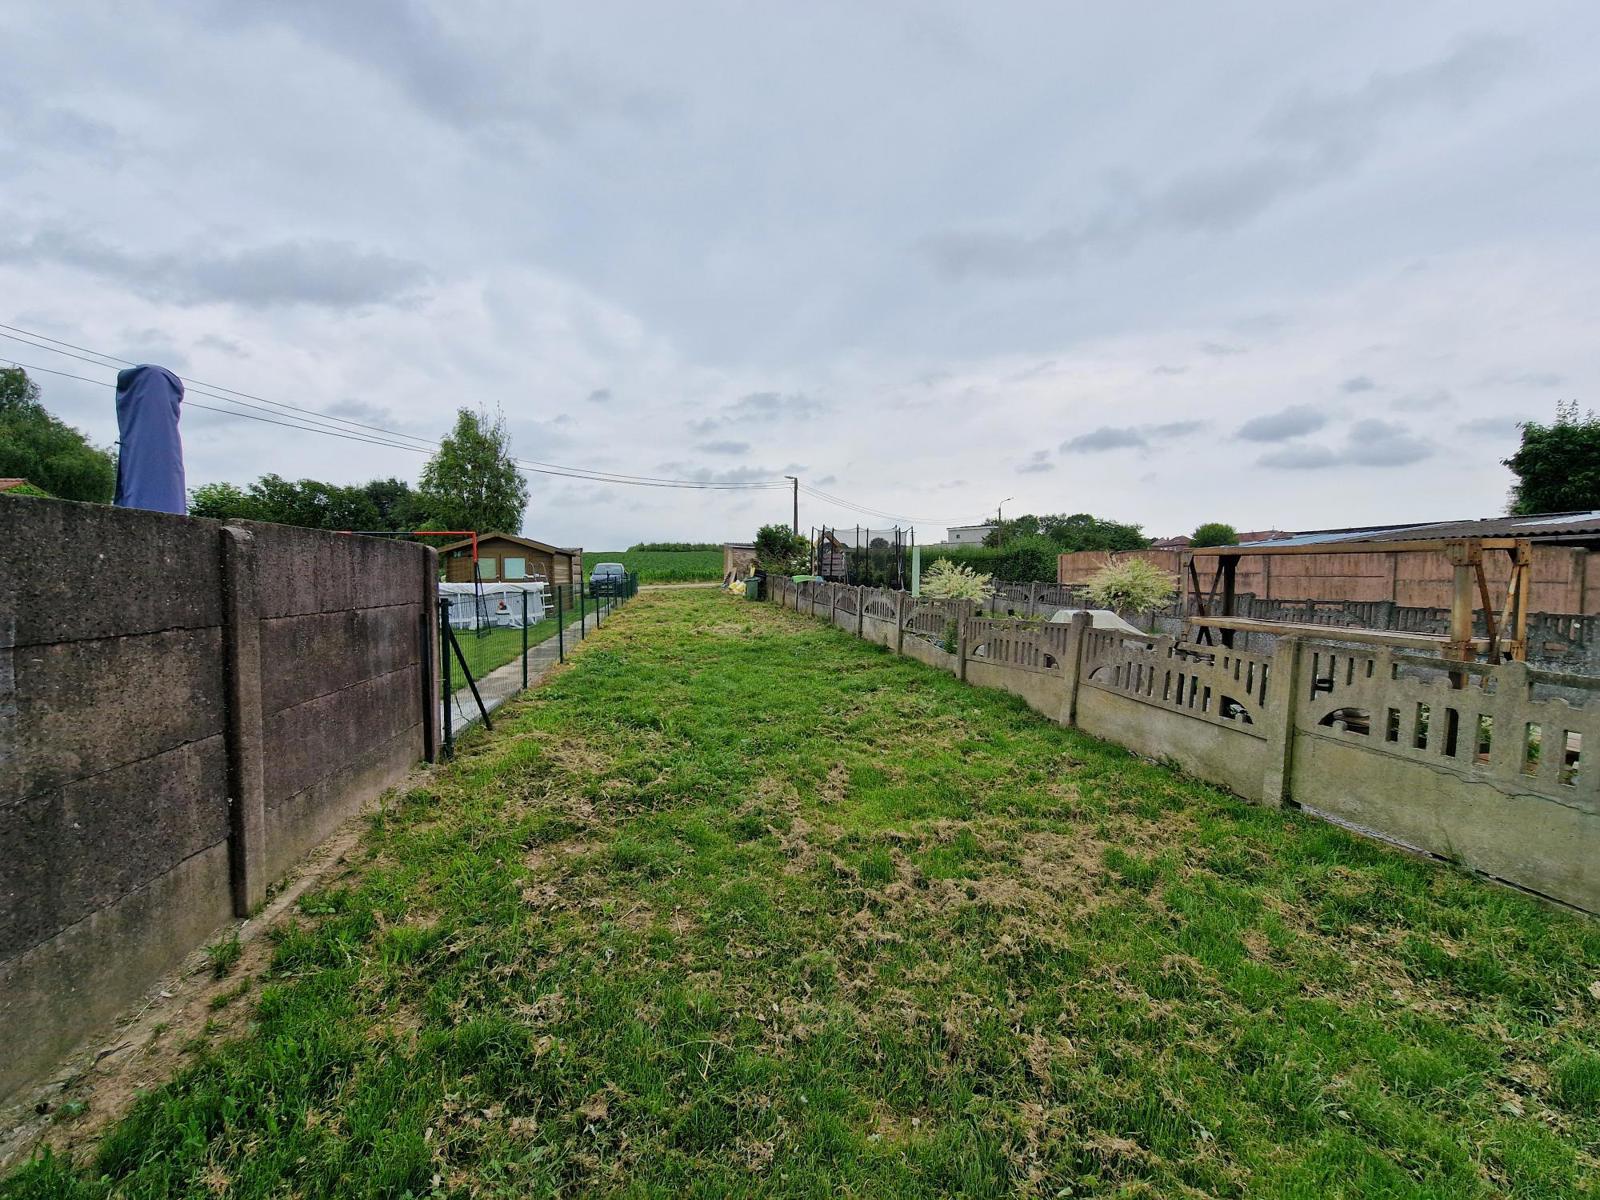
334	426
840	502
327	419
374	441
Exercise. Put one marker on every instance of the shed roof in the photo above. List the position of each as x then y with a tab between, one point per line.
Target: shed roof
512	537
1567	526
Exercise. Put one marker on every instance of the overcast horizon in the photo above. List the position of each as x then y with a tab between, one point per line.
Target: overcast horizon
1165	265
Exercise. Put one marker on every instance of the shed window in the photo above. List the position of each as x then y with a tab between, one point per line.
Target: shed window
515	568
488	568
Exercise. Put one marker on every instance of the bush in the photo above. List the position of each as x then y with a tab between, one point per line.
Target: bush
1215	533
946	580
1025	560
673	547
780	551
1131	585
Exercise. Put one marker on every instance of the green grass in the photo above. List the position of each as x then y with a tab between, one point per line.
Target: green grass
662	566
739	905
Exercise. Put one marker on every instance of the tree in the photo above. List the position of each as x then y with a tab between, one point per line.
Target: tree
781	551
1214	533
1080	531
1558	465
380	504
473	483
47	452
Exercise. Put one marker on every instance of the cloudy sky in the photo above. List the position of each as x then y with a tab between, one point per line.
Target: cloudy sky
1279	265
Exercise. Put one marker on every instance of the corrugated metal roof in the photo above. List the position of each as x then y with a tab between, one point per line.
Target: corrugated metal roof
1536	526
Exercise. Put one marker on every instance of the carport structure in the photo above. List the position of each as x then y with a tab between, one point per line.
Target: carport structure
1208	608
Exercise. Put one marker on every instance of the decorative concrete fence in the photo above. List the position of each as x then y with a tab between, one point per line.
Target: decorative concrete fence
1499	775
186	708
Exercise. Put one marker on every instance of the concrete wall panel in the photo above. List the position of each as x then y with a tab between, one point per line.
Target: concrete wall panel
297	824
58	992
85	707
1526	839
314	740
78	571
1237	761
79	848
321	653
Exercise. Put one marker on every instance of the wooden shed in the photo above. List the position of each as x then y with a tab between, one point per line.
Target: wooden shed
513	559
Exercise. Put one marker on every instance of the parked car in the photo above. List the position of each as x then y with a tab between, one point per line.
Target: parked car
606	579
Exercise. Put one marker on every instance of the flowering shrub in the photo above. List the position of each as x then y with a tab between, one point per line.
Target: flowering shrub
945	580
1132	585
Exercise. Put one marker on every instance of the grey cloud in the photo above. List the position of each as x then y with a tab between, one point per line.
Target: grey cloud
1423	401
1368	443
1305	141
723	447
1539	379
228	346
1104	438
700	474
1038	463
476	75
327	274
1493	426
1220	349
1174	429
1142	437
1305	458
1166	370
600	396
761	408
1357	383
1291	422
1375	443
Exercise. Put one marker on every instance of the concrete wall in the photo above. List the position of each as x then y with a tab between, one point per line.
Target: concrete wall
1499	775
185	709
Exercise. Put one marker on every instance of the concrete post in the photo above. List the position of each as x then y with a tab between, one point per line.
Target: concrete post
1033	599
833	604
1283	693
428	648
1072	668
961	639
861	608
900	599
247	821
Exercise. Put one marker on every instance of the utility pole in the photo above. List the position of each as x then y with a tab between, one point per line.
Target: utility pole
998	519
796	481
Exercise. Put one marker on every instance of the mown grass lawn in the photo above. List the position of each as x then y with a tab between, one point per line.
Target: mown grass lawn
737	905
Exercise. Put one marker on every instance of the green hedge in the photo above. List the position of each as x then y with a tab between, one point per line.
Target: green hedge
1026	560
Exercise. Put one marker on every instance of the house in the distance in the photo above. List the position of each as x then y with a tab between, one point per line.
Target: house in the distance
509	558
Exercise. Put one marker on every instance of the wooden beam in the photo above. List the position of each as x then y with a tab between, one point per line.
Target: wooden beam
1419	546
1333	633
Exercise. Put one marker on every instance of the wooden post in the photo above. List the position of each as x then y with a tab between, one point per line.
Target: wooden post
1230	573
247	820
1281	701
1463	555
